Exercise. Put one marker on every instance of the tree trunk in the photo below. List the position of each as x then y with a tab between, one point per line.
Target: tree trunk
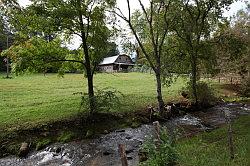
194	77
159	92
87	62
7	60
89	76
90	87
8	69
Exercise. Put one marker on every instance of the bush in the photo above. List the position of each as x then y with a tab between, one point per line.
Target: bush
205	93
105	100
43	143
66	136
163	155
245	87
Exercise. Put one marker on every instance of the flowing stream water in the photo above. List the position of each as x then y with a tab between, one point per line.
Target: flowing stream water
104	150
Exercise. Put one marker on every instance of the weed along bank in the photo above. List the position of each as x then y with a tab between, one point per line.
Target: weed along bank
119	63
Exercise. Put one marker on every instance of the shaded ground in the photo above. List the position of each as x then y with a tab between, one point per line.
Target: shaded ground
103	151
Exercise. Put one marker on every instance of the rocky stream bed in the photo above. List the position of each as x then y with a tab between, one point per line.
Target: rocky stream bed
103	151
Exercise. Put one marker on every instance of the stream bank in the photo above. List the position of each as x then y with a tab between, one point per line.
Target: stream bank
103	151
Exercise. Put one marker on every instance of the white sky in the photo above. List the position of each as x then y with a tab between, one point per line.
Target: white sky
122	4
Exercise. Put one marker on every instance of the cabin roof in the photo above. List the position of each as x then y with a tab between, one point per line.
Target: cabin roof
112	59
109	60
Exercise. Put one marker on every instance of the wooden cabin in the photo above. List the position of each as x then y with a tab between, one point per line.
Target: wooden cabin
119	63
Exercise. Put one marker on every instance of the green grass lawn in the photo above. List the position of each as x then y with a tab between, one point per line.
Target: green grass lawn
211	149
30	100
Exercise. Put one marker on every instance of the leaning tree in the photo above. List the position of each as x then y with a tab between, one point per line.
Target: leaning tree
150	27
196	21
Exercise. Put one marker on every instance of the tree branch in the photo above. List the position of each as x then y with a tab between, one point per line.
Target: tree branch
88	20
64	60
129	11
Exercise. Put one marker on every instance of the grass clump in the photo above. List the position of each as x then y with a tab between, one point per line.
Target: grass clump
163	153
66	136
43	143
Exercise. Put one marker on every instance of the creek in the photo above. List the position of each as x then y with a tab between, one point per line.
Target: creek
103	151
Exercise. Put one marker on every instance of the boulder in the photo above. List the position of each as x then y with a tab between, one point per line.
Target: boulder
143	156
24	150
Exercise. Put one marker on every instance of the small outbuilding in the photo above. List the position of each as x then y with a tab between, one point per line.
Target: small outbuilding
119	63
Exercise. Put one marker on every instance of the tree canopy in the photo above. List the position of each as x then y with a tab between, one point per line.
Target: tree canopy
48	19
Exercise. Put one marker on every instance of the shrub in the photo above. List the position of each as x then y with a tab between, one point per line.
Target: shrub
163	155
105	100
43	143
245	87
66	136
205	93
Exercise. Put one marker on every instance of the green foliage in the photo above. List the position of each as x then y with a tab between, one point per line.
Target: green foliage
42	143
205	93
197	19
112	49
164	154
66	136
72	67
105	99
85	19
36	55
232	44
245	87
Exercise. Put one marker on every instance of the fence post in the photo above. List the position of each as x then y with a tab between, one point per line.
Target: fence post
230	133
123	155
156	125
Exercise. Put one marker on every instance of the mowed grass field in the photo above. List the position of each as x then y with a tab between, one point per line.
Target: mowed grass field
211	148
30	100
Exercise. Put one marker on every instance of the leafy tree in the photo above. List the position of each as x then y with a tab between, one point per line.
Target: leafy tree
6	37
86	19
38	55
2	40
112	49
196	21
232	45
150	26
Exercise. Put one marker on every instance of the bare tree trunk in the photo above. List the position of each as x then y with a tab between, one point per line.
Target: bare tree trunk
7	66
87	62
90	89
7	60
159	92
194	77
157	43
